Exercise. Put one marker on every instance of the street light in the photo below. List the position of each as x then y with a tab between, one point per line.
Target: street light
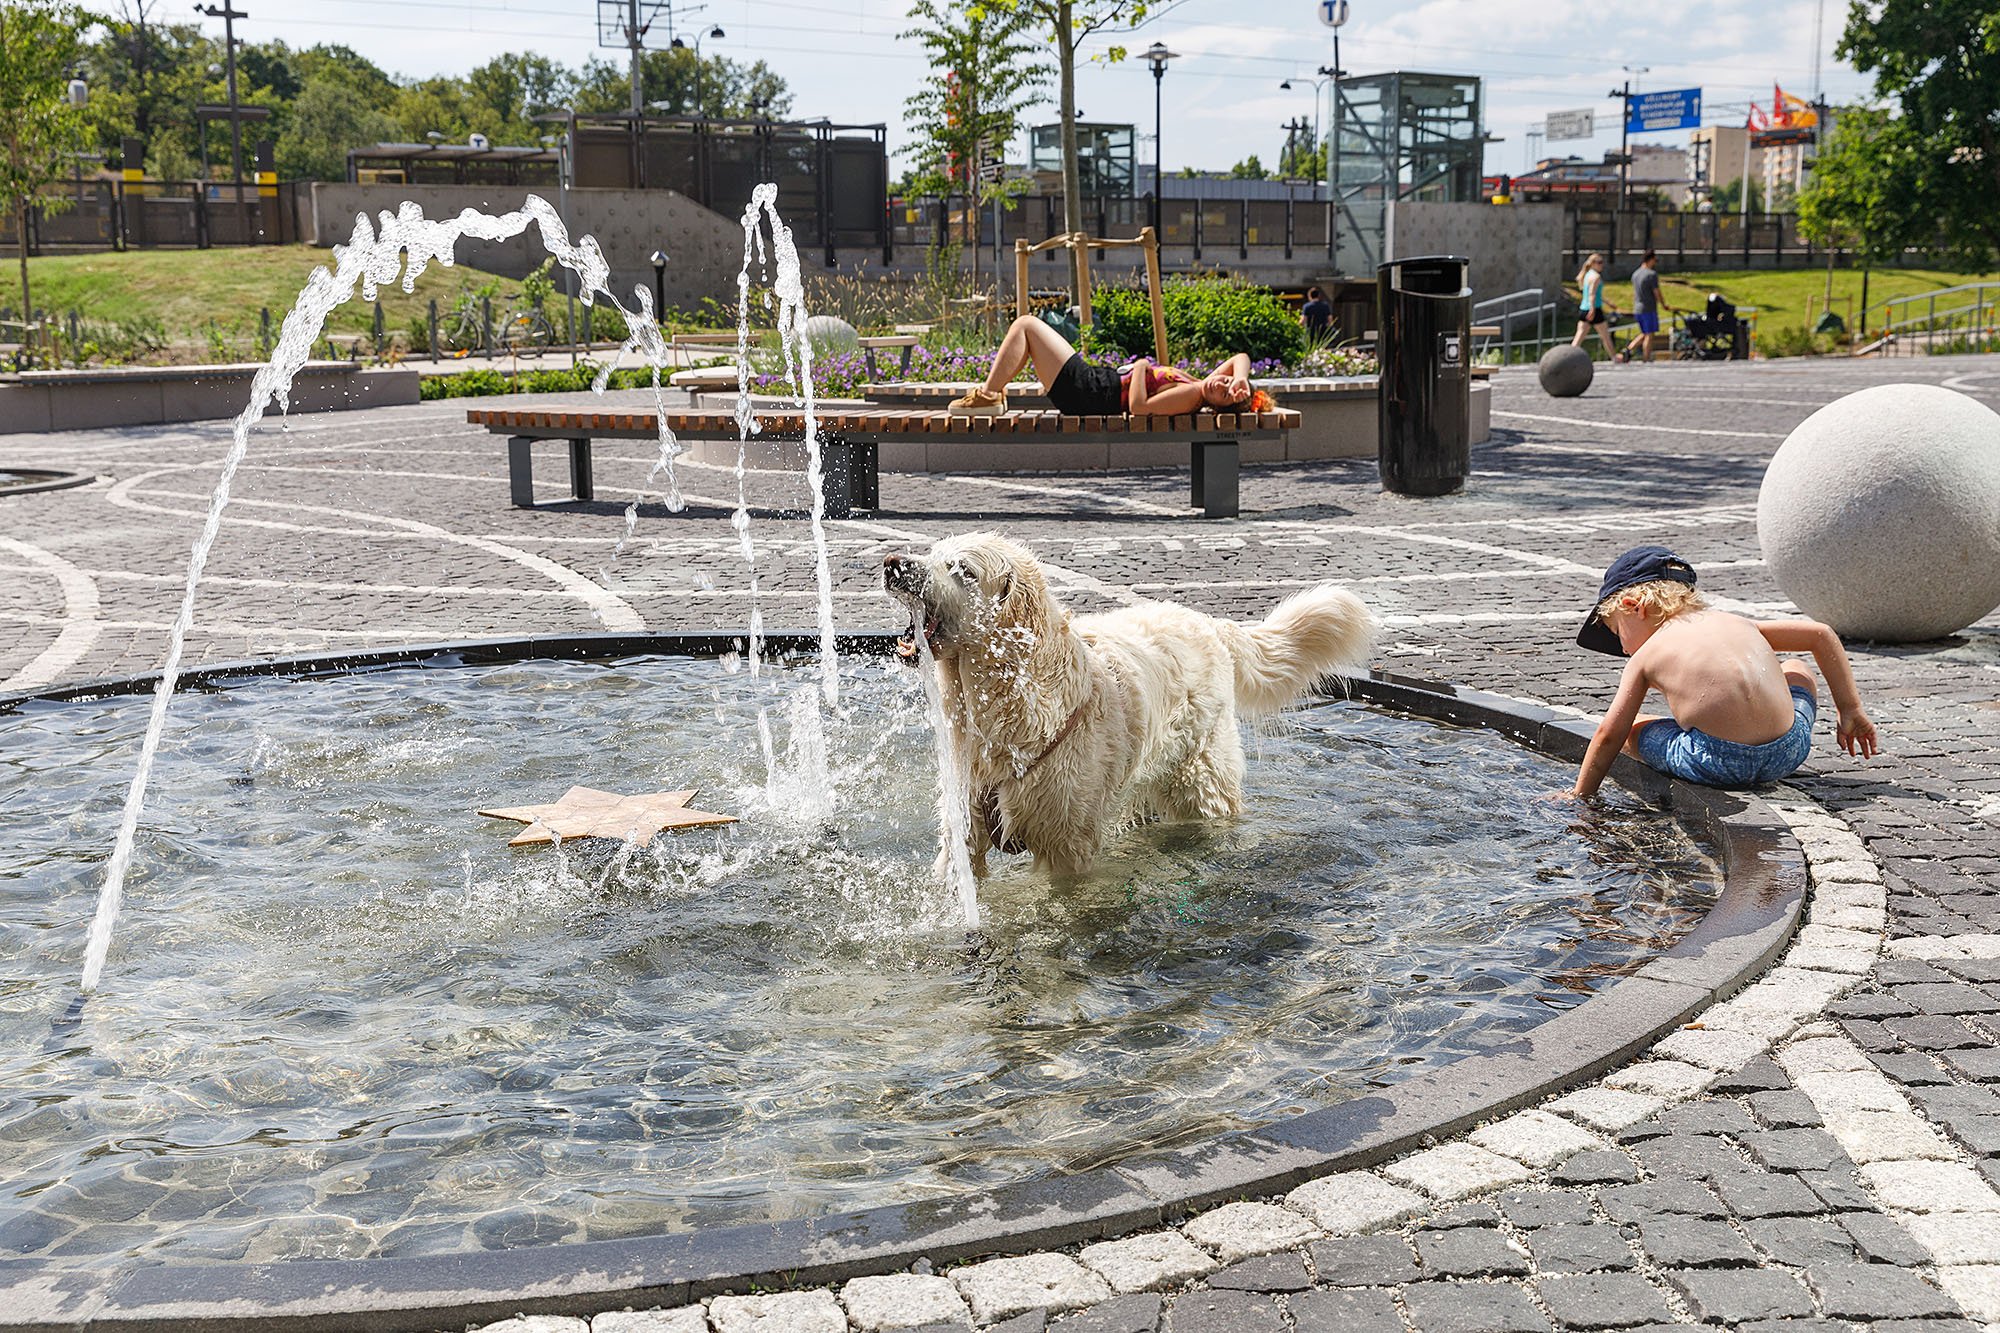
1157	55
659	258
1319	86
680	44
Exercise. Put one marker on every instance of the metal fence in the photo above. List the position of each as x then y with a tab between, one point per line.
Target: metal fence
143	215
1215	229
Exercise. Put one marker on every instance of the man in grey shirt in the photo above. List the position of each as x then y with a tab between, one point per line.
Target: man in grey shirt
1646	307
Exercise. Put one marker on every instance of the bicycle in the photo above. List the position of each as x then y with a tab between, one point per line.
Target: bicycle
527	332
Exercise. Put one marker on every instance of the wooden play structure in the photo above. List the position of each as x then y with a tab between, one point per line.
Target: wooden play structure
1080	246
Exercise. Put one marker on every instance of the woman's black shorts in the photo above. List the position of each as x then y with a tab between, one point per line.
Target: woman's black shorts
1591	317
1085	390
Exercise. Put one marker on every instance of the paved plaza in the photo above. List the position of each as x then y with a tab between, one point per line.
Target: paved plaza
1786	1195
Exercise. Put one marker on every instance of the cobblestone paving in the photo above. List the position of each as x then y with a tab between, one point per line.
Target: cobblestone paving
1844	1179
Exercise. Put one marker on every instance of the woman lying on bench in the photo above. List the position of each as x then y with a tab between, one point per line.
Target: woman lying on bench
1078	388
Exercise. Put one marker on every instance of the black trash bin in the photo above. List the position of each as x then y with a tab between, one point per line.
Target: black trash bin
1423	312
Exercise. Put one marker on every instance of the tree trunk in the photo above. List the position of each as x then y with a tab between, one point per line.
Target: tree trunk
27	310
1066	60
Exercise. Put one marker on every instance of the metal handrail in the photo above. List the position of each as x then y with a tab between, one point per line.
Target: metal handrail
1986	294
1507	312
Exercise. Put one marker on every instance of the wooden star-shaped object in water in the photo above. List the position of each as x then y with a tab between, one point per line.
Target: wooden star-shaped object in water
585	812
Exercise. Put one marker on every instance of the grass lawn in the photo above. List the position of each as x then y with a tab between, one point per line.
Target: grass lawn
1781	297
187	289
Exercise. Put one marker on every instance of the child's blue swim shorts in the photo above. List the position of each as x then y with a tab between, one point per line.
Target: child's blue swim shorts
1696	756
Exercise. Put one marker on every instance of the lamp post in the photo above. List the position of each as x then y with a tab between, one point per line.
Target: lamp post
1157	55
680	44
659	258
1333	13
1319	88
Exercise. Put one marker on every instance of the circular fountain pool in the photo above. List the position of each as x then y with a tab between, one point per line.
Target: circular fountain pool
343	1018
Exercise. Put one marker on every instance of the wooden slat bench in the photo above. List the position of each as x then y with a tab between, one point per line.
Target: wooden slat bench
850	440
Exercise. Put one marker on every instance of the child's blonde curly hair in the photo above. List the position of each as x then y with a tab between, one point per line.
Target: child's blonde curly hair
1662	599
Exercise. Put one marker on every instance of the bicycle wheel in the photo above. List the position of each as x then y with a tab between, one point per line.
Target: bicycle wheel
527	335
459	333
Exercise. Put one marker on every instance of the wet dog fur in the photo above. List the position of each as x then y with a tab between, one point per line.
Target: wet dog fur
1071	729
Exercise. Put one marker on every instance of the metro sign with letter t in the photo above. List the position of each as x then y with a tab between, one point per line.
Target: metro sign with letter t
1649	113
1332	13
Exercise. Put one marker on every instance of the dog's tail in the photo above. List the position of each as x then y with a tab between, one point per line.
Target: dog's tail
1311	634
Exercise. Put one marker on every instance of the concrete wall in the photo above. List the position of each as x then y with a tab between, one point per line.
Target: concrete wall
1512	247
704	249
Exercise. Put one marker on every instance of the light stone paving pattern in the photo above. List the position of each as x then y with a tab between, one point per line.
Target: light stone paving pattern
1820	1151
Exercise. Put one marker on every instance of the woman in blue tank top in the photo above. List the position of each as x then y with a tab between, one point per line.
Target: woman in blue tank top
1593	312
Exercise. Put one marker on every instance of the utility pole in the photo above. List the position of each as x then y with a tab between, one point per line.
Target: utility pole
635	37
1624	96
228	13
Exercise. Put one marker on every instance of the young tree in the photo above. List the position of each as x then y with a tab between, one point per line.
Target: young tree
984	73
1068	23
41	42
1939	61
1249	169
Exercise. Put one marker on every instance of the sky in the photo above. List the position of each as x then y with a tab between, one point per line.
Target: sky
845	61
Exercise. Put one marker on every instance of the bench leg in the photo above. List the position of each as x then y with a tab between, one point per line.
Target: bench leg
836	468
579	470
1213	484
521	470
904	370
867	476
868	360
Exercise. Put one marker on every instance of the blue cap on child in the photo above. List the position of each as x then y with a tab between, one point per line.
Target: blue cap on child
1641	564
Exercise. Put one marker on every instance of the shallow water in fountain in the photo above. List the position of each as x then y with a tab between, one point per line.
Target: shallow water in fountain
344	1018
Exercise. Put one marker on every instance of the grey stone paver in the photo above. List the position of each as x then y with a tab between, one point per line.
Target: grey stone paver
1743	1174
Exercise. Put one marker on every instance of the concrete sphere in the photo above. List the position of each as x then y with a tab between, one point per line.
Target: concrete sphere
1566	371
831	335
1880	514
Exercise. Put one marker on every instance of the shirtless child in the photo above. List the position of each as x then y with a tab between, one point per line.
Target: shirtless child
1740	715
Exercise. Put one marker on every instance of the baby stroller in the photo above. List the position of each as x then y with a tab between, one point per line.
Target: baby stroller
1714	335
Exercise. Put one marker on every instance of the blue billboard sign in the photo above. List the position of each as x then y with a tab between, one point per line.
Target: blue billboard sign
1647	113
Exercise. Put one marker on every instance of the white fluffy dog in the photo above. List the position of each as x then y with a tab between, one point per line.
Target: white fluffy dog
1071	730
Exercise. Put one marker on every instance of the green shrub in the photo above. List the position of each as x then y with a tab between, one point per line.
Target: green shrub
1793	340
1207	318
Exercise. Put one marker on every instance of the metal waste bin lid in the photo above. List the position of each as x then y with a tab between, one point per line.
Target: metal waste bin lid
1427	275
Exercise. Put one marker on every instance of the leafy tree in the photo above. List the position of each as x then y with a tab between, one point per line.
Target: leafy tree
984	73
504	92
41	43
144	77
1249	169
1068	23
1858	196
728	89
340	64
1939	61
328	117
1303	161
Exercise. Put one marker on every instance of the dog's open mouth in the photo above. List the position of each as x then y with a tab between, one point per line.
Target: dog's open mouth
908	648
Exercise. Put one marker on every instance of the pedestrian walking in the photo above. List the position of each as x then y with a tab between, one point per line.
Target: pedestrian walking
1646	306
1592	312
1317	314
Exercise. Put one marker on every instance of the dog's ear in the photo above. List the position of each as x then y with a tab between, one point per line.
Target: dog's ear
1006	587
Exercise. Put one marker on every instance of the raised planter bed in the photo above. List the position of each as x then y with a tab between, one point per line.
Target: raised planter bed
45	400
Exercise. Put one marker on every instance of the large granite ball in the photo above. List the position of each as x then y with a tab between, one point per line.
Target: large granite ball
1880	514
830	335
1566	371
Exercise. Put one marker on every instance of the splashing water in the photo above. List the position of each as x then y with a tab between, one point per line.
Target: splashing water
374	256
789	289
954	801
